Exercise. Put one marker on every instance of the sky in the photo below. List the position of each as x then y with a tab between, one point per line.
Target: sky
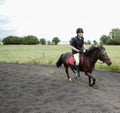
58	18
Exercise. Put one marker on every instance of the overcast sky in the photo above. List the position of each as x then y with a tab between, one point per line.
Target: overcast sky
61	18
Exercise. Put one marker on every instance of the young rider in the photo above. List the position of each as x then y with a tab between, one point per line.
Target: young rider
77	45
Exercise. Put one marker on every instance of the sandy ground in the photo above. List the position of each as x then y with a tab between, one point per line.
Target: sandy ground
45	89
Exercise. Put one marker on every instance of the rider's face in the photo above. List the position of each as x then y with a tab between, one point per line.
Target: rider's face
80	34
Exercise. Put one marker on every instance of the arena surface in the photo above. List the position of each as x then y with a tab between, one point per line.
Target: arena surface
45	89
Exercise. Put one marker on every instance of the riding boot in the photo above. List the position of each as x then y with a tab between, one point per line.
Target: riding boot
78	71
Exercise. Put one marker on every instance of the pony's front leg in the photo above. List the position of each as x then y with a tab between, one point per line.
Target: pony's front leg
91	77
89	80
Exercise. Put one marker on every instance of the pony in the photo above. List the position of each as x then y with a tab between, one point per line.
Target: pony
87	62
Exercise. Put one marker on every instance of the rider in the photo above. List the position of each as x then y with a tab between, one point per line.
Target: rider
78	46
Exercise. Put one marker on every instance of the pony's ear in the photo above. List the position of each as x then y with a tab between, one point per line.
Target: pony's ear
101	47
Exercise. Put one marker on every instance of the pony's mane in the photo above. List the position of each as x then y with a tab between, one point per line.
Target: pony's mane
92	49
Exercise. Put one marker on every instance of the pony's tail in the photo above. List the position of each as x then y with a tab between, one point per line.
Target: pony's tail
59	62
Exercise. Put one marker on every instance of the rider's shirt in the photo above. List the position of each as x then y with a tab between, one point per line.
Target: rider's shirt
77	43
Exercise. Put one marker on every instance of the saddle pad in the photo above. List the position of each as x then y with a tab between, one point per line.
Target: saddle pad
71	60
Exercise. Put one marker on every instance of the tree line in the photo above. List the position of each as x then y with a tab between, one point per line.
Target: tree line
112	39
28	40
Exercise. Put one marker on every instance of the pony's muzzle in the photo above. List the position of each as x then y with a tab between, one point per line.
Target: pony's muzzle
109	62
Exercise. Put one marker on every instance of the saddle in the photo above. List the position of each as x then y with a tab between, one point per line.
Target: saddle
71	60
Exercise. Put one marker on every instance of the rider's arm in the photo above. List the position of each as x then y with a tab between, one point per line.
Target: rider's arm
75	49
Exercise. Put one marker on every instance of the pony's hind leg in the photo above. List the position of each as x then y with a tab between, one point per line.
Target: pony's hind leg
89	81
74	72
66	70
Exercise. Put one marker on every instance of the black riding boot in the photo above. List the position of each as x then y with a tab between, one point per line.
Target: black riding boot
78	71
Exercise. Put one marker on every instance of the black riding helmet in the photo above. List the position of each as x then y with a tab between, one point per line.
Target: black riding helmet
79	30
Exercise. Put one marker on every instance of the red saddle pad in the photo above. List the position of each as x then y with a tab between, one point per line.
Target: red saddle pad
71	60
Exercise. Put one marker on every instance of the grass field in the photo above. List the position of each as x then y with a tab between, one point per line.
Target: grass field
48	54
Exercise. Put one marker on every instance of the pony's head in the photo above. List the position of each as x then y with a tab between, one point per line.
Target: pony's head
102	55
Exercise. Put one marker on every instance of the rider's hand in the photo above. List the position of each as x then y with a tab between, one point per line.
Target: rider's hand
78	51
84	50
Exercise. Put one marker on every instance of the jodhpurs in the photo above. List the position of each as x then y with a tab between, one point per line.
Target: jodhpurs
77	58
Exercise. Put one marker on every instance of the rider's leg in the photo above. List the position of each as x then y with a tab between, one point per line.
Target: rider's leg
76	57
78	71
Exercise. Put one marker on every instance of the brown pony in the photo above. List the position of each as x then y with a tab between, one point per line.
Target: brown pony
90	58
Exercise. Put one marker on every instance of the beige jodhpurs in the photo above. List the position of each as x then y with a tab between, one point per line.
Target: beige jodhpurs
77	58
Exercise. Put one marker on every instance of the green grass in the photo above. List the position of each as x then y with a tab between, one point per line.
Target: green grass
34	54
48	54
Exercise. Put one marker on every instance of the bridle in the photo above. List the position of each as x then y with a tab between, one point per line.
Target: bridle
99	57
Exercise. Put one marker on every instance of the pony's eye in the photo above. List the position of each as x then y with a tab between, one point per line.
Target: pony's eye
102	55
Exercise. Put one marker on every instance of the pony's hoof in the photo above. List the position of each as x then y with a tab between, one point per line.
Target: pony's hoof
95	86
70	80
91	85
76	78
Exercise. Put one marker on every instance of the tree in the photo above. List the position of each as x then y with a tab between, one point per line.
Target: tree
30	40
112	39
12	40
95	42
43	41
115	36
49	42
115	33
113	42
88	42
55	40
104	39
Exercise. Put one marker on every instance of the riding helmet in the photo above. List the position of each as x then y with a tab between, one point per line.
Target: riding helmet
79	30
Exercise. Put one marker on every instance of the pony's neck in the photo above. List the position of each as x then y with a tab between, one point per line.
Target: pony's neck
93	58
